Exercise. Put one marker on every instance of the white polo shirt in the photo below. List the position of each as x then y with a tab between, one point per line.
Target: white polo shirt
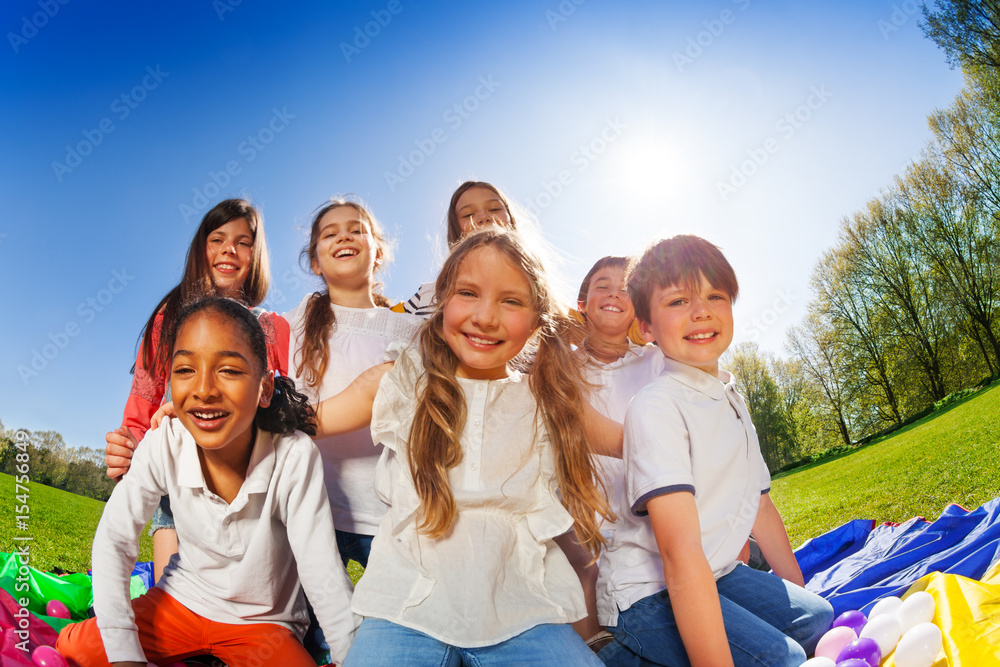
685	431
242	562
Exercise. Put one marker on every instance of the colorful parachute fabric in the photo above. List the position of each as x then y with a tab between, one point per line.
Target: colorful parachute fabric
955	558
22	582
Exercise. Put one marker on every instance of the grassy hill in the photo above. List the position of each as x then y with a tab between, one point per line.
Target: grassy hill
950	456
62	526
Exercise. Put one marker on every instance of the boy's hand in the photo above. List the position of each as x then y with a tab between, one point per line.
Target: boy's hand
118	452
164	411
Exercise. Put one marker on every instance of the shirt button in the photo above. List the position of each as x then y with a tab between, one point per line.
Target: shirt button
225	521
479	388
474	466
476	422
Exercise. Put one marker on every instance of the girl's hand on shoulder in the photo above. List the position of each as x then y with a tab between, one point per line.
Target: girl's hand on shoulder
166	410
118	452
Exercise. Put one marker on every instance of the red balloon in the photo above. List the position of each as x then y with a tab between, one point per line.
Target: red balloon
46	656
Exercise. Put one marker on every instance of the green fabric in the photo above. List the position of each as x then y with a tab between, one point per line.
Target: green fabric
73	590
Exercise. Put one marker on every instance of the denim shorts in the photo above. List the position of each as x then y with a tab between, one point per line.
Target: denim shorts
162	518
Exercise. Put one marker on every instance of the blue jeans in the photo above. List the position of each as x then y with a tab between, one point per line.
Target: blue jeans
379	642
354	546
769	623
162	517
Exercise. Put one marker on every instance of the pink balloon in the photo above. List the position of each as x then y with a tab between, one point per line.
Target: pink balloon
56	609
46	656
833	642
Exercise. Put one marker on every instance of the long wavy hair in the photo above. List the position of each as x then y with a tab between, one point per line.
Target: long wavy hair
197	279
314	355
555	379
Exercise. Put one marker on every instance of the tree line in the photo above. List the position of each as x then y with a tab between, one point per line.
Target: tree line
905	308
79	470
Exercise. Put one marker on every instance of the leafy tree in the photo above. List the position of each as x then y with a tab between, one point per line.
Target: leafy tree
813	345
967	31
758	387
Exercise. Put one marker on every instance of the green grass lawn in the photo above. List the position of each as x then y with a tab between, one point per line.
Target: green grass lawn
950	456
61	524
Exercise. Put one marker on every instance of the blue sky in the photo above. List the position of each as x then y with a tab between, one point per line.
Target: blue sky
758	125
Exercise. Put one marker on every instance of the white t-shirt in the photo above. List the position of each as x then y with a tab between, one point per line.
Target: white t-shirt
358	340
615	385
240	562
497	572
685	431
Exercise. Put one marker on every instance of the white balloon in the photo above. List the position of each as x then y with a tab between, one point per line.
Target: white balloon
919	647
917	608
884	629
819	662
887	605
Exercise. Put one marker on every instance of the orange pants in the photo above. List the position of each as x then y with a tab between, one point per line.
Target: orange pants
169	631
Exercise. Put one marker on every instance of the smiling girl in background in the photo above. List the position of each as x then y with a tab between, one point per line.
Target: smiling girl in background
473	205
336	334
227	257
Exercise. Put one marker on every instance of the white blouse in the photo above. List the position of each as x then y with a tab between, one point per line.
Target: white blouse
358	340
497	572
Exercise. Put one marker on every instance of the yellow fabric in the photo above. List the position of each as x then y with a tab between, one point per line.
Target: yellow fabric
398	308
968	613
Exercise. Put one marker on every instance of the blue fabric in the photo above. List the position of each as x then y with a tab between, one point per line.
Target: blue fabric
144	571
379	642
769	623
853	570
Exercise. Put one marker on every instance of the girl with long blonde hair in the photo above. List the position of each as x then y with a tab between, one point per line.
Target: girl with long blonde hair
483	466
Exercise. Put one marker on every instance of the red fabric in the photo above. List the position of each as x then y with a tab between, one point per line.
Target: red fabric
180	633
11	617
148	389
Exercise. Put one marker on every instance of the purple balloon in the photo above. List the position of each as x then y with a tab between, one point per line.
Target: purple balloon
864	648
854	662
854	620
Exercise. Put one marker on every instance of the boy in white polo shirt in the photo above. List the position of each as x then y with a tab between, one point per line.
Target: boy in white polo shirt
671	589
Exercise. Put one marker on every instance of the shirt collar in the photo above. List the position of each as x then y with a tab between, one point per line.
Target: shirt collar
259	471
699	380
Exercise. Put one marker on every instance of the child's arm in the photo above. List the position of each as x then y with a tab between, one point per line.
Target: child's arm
116	547
772	538
351	409
694	597
603	434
